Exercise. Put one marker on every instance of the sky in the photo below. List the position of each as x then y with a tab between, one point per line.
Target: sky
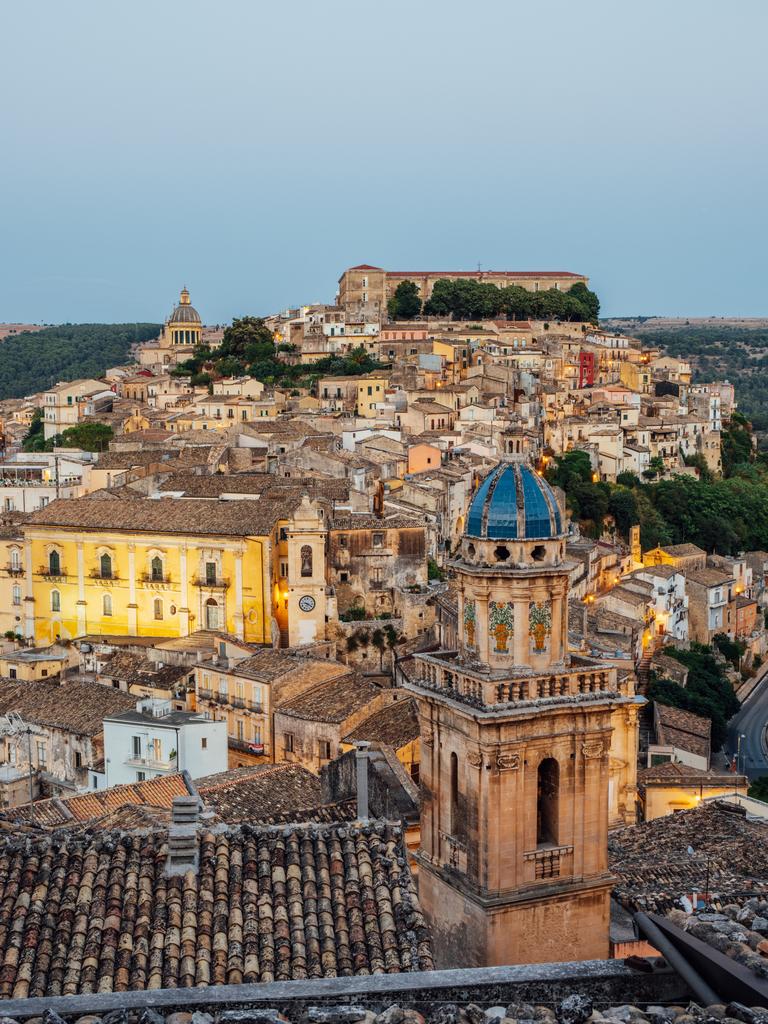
253	150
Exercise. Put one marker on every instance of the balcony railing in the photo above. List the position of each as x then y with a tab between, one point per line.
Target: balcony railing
150	762
148	577
465	686
45	570
211	582
96	574
14	570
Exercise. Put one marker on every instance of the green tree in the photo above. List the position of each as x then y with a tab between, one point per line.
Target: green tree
34	439
708	692
379	641
758	789
587	299
91	437
622	505
405	304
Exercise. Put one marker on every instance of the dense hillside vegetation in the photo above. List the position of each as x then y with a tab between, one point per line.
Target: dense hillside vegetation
722	515
34	361
738	353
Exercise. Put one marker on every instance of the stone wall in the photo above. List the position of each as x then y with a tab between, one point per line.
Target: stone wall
605	982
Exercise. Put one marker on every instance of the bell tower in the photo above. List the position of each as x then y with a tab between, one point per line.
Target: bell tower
306	575
515	735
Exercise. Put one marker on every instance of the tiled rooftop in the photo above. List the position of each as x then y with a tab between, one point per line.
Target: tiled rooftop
654	867
396	725
134	670
82	915
333	701
268	794
164	515
678	728
75	706
86	808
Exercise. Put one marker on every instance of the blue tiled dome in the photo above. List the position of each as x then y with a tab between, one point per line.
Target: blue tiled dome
514	503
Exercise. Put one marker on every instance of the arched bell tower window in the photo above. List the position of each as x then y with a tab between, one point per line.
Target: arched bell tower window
105	566
156	569
547	803
54	563
306	560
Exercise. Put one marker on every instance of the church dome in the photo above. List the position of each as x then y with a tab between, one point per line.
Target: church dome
514	503
184	312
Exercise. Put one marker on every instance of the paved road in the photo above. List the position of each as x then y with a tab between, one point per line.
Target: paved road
751	722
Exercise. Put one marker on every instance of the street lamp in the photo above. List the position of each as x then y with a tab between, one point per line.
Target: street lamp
741	736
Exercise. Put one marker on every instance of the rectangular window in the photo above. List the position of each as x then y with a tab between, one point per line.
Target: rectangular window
42	755
78	759
210	573
204	742
324	749
288	742
141	776
12	673
378	540
137	746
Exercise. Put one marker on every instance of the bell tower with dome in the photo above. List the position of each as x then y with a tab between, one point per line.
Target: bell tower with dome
515	736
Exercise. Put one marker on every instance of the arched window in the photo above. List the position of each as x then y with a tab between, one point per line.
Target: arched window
55	601
156	570
547	802
54	563
454	795
16	594
306	560
211	614
15	559
107	604
158	608
105	565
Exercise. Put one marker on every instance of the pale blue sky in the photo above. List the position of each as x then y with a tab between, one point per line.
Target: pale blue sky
252	150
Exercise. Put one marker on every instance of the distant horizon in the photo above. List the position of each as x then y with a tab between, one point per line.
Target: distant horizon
224	322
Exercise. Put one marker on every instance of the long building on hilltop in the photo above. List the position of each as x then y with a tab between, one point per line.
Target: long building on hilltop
367	288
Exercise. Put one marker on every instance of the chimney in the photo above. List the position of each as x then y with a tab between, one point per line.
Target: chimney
183	852
361	759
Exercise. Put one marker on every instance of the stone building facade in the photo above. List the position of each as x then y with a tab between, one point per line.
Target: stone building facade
366	289
516	747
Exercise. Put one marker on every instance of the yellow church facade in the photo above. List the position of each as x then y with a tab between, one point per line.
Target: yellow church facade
150	568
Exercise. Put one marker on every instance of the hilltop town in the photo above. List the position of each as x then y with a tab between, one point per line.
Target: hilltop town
422	629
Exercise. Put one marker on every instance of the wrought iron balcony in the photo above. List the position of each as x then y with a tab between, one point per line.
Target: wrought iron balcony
210	582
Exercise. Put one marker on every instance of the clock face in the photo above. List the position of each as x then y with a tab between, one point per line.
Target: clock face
306	603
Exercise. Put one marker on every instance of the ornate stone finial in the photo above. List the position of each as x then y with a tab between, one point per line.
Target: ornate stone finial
184	297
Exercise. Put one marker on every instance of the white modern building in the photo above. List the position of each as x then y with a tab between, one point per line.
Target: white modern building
154	740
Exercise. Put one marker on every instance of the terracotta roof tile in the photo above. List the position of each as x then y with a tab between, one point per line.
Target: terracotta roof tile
75	706
268	794
163	515
82	914
396	725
